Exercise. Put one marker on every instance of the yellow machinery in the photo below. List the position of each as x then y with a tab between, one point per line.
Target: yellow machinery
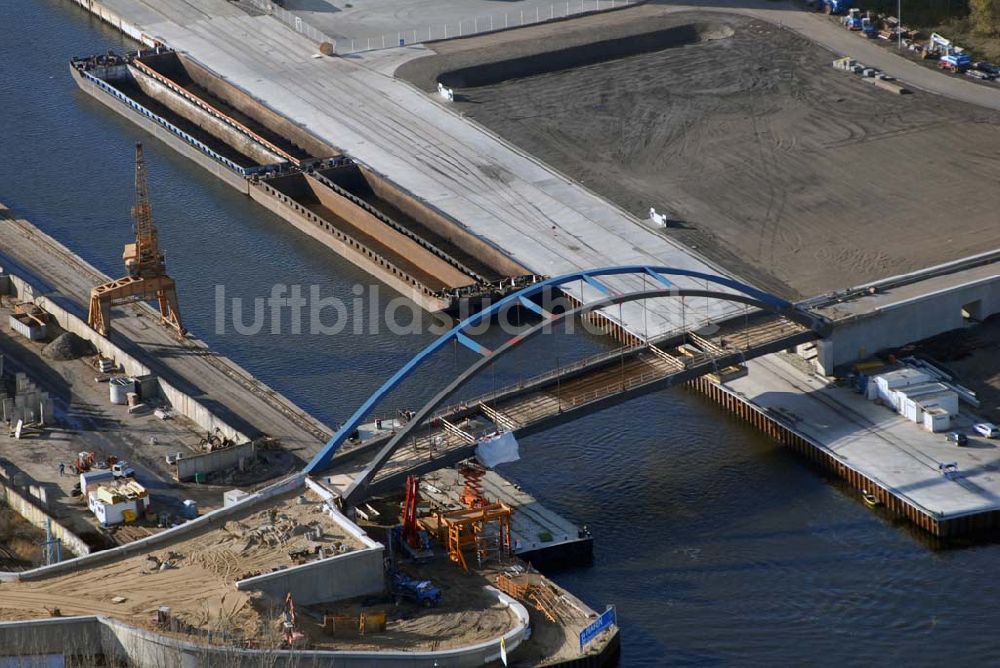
485	529
147	278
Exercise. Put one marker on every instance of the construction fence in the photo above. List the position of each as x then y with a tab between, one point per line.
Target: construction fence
481	24
291	20
428	33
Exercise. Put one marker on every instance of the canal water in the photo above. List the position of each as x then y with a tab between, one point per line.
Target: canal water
715	546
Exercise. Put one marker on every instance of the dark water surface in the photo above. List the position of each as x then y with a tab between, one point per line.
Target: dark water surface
716	546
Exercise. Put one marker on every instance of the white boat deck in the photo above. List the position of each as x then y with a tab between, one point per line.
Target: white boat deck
532	525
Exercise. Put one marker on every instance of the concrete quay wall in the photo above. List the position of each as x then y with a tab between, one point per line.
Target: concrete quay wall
179	401
92	636
112	18
80	637
357	573
39	518
218	460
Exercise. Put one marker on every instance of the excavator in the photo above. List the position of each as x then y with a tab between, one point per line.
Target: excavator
951	57
147	277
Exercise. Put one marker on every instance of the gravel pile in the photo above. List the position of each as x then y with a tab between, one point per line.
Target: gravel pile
68	346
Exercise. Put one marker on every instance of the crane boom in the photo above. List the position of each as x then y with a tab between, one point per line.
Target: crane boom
144	258
147	270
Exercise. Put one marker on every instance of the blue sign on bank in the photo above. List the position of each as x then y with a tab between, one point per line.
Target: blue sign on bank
594	628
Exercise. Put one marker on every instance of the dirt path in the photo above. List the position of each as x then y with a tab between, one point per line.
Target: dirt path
798	177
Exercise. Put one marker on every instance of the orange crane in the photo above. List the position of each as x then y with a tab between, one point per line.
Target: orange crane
292	636
411	531
147	272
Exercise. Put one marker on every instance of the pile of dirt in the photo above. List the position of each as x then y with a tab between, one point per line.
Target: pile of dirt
68	346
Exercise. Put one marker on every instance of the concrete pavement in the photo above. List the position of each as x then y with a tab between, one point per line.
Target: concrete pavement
543	220
877	442
364	24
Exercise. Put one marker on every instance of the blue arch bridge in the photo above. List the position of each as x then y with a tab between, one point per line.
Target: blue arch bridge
441	434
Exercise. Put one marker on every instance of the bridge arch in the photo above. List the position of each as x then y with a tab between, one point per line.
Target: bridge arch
356	490
743	293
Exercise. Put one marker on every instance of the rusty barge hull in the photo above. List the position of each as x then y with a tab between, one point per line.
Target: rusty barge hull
347	207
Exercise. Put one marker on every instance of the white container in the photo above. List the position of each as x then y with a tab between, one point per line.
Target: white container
119	388
936	419
29	330
233	497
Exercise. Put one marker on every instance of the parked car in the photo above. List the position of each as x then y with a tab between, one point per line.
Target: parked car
958	438
987	429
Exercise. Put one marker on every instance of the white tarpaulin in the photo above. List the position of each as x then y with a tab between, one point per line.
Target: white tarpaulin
498	450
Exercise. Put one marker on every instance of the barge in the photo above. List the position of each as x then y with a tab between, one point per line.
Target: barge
349	207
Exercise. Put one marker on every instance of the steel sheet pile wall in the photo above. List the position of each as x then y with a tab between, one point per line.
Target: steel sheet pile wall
817	453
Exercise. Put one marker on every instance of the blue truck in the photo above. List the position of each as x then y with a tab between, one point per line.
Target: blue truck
423	592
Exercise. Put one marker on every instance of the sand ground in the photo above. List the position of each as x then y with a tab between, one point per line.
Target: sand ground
766	160
199	589
467	614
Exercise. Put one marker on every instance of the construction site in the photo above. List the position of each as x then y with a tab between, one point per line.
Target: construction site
737	106
153	504
723	209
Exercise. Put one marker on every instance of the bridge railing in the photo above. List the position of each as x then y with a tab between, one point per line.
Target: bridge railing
439	444
492	396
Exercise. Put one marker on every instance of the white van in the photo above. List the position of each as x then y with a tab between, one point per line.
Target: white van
987	429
